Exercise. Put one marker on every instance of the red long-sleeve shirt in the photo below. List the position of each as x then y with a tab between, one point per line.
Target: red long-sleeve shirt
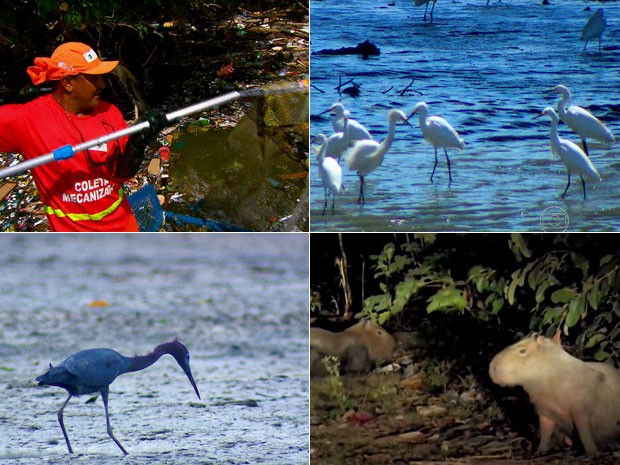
81	193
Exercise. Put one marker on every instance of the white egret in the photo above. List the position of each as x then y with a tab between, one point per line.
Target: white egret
570	153
438	132
330	171
367	155
338	143
581	121
356	130
422	2
594	29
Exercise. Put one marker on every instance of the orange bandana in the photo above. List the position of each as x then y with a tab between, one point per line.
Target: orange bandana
69	59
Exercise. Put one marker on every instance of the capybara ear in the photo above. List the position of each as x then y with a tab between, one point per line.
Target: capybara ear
540	341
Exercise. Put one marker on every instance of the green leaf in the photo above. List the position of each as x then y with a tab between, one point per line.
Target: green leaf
606	259
594	340
521	248
594	295
576	309
553	315
518	280
377	303
564	295
581	262
601	356
383	317
405	289
497	305
446	299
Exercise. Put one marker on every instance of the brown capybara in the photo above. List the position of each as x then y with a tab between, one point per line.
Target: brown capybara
566	391
359	347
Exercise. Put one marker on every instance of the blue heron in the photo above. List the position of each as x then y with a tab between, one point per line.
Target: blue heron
93	370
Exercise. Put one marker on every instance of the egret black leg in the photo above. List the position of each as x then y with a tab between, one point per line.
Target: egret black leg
567	185
585	147
62	424
425	8
104	397
583	184
432	8
360	199
449	171
435	165
325	204
333	201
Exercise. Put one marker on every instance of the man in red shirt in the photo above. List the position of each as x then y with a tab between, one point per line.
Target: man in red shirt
83	193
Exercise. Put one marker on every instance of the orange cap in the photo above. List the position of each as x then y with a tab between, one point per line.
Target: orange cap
69	59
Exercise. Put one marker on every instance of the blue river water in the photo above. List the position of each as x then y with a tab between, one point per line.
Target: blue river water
239	302
487	69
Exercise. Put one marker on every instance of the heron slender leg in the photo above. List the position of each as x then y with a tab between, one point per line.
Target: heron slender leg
583	184
333	201
325	204
567	185
62	424
425	8
432	8
449	171
104	397
360	199
585	146
435	165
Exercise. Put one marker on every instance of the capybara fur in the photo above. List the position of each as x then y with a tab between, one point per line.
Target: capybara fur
565	391
359	347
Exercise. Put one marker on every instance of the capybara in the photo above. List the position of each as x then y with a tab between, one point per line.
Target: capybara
566	391
359	347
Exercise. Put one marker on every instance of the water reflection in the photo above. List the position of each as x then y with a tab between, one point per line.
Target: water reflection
252	175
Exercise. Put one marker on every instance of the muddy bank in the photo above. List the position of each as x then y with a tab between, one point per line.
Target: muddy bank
426	410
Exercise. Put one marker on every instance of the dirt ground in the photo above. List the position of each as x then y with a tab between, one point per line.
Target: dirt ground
417	411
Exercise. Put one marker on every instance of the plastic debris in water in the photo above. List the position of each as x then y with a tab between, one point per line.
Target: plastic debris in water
164	153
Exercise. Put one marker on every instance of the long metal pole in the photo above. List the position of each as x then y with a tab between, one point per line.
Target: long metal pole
68	151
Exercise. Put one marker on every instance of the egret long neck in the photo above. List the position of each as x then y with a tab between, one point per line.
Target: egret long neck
320	155
387	142
555	139
562	104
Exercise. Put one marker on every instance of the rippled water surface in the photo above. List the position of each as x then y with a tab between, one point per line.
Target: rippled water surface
239	303
485	69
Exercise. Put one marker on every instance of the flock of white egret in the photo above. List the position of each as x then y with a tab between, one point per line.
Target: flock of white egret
361	153
593	29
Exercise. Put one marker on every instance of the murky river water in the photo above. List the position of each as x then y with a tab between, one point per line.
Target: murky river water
250	176
238	301
485	69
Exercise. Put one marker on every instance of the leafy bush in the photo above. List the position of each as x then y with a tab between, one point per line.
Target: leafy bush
568	283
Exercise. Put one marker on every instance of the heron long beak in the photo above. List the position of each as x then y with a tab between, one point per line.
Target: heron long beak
538	116
188	372
326	111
